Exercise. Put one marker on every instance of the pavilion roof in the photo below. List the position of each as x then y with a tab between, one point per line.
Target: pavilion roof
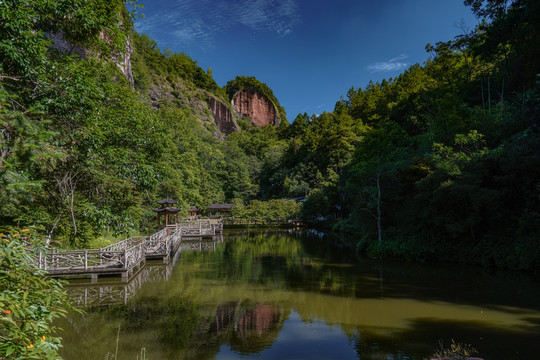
221	206
169	209
167	201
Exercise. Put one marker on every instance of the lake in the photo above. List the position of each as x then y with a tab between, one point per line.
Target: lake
286	294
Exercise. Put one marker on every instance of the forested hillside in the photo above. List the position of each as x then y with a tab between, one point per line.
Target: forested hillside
439	163
82	152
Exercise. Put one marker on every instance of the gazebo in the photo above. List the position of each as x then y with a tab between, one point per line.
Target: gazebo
167	209
215	209
193	212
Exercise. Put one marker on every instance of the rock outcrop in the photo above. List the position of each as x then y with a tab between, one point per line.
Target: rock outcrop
211	111
223	116
122	60
251	103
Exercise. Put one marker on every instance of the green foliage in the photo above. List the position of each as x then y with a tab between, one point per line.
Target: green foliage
24	146
381	154
444	189
313	155
76	142
152	67
316	206
29	300
26	27
271	210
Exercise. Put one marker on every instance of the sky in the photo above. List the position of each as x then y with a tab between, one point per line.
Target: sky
309	52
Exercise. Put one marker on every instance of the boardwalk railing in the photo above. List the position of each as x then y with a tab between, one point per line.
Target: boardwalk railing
201	228
124	257
125	244
163	243
112	293
80	259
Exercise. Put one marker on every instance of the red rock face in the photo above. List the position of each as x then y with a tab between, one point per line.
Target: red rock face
256	106
257	321
222	116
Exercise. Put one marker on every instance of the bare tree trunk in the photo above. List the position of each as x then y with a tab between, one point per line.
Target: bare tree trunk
67	186
49	236
523	101
483	101
502	97
489	95
379	229
72	212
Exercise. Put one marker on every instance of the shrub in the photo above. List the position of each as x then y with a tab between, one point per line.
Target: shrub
29	300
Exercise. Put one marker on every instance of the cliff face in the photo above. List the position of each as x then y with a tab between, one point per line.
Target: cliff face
212	112
223	116
256	106
122	60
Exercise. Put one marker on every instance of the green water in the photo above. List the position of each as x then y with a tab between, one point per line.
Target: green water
287	295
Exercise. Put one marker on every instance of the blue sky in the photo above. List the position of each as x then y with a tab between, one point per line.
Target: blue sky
310	52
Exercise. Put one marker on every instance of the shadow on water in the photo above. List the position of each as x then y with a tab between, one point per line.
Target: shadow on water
455	283
491	343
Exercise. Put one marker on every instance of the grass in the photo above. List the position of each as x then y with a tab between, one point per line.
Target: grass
456	351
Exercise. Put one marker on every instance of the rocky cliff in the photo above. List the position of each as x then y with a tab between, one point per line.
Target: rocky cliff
255	105
212	111
124	62
223	116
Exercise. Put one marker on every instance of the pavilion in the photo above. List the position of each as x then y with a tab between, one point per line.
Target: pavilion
168	211
215	209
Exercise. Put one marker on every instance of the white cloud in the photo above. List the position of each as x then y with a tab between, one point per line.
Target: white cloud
394	64
198	22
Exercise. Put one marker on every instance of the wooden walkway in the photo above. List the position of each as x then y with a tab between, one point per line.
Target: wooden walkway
125	257
114	292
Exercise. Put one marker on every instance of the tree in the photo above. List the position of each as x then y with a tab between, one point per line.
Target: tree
380	155
29	300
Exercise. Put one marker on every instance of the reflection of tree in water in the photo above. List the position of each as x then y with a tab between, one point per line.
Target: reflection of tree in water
179	321
225	318
374	347
213	299
162	326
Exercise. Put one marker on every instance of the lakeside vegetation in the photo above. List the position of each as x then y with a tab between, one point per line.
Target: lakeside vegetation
439	163
29	300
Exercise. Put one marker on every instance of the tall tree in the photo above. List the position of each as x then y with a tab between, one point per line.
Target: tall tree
378	158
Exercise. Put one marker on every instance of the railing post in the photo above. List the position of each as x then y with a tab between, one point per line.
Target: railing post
85	259
40	261
125	259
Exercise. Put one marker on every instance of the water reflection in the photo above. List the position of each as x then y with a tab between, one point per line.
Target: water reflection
273	294
114	291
